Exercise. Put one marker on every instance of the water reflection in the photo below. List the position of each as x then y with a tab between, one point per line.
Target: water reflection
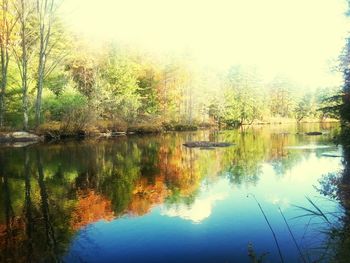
71	196
203	204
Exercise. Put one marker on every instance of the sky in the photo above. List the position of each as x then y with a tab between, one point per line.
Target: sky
300	39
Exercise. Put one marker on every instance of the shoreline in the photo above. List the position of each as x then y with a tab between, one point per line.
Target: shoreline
24	138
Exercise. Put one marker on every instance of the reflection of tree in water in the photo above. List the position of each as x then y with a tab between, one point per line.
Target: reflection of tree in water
28	233
285	164
254	146
90	207
242	162
146	195
12	232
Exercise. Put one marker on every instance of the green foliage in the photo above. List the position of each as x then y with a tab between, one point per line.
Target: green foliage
119	78
329	102
148	81
57	107
304	107
282	95
56	83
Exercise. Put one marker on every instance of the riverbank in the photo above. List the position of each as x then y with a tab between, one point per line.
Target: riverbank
280	120
108	129
58	131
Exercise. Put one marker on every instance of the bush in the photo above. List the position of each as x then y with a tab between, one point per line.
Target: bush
75	121
50	129
173	126
56	108
185	127
145	128
116	125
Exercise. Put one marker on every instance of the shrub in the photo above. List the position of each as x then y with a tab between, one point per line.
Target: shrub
145	128
56	108
115	125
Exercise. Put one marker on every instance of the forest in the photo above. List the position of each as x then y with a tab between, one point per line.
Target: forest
54	81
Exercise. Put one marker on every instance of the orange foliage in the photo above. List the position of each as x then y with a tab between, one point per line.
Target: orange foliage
91	207
16	225
12	237
179	167
145	196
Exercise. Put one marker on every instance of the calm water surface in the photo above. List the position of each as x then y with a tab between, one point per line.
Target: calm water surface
150	199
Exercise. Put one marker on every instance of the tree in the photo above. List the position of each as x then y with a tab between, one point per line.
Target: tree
329	102
304	107
244	95
83	73
282	97
7	25
45	10
148	80
25	50
118	77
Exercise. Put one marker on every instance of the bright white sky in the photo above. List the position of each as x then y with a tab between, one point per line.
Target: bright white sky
297	38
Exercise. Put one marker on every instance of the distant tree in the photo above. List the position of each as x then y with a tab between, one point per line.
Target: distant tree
118	74
243	95
282	97
304	107
148	81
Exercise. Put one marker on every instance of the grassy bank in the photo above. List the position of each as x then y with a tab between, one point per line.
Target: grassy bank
56	130
111	128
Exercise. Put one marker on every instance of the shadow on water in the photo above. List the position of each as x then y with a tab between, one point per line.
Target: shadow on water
333	224
336	187
56	196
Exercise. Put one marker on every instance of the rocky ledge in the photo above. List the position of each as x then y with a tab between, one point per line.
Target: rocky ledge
313	133
205	144
19	138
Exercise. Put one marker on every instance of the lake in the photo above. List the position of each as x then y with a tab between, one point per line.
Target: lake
151	199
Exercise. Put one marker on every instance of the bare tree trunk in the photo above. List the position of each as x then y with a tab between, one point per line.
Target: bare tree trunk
5	33
40	85
22	56
25	97
3	69
23	63
3	82
45	15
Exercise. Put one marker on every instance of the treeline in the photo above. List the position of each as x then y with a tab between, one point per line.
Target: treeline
52	80
245	99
